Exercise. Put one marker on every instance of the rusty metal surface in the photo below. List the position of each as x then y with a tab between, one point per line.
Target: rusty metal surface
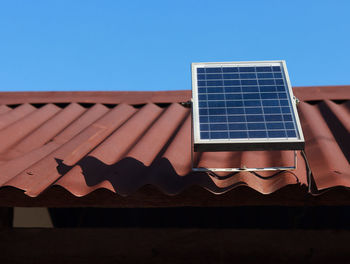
142	138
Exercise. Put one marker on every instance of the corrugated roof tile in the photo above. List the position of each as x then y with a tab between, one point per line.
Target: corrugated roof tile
4	109
10	168
47	131
178	153
10	116
109	152
44	172
328	163
83	148
152	142
12	134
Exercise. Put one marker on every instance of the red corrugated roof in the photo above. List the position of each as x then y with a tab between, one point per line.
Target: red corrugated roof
121	141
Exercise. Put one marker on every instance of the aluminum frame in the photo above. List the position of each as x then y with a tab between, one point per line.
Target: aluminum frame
246	143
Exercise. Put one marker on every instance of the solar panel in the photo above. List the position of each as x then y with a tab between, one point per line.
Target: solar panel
244	106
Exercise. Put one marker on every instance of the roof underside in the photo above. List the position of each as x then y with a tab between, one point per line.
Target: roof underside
122	141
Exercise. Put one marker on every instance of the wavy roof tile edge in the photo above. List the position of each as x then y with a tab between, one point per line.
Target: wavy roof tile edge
324	123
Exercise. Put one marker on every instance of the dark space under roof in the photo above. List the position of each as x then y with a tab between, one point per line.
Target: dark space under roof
58	146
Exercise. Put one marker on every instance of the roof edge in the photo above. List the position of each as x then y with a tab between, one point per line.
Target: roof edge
304	93
315	93
104	97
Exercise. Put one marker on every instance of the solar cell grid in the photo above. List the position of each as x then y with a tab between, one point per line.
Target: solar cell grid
244	103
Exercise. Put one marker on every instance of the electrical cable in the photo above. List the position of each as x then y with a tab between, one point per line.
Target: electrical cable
310	181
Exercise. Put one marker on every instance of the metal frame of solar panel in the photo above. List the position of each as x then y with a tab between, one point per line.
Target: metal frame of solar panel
244	106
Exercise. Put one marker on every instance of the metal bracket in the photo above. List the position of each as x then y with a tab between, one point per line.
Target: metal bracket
244	168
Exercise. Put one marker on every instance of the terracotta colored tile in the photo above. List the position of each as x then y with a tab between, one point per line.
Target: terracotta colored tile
10	168
42	174
109	153
179	151
328	163
47	131
158	134
12	116
125	148
4	109
15	132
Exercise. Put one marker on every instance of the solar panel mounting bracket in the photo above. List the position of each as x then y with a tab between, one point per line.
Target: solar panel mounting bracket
294	167
281	168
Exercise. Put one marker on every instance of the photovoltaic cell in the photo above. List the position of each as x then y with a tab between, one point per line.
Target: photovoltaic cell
244	102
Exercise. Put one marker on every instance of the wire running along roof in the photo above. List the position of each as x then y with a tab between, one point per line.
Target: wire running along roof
244	105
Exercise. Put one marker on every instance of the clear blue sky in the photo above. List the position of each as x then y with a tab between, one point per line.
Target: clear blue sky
149	45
